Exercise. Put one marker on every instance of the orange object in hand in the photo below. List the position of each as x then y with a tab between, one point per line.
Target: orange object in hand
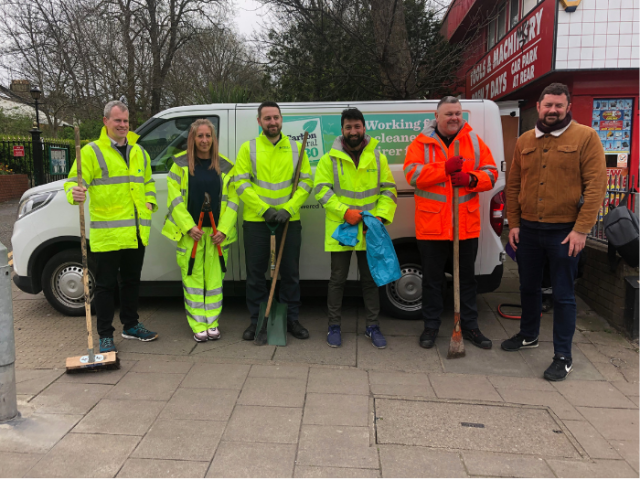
353	217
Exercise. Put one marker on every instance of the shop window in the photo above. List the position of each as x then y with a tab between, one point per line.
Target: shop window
528	5
514	13
502	22
497	27
491	37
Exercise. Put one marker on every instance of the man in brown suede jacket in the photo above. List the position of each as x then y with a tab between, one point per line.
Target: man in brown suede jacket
556	185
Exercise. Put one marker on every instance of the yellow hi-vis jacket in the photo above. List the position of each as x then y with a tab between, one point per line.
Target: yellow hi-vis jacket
178	221
118	193
264	175
339	185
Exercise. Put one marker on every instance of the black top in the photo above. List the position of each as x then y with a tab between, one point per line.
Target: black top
123	151
447	140
204	180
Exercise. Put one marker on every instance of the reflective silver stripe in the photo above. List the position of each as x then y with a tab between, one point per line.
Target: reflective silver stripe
181	161
193	291
150	181
274	201
305	176
174	177
348	193
135	179
193	304
469	196
476	148
225	165
368	206
434	135
145	223
442	184
272	186
243	176
243	187
410	167
327	196
210	320
320	186
75	179
426	153
224	198
253	154
387	185
197	318
176	201
391	195
415	176
305	186
101	160
213	306
150	194
144	156
183	192
211	293
377	155
170	218
430	195
110	181
232	206
114	224
432	154
295	154
181	250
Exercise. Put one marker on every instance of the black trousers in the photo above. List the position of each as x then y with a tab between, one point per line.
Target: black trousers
129	263
257	247
434	255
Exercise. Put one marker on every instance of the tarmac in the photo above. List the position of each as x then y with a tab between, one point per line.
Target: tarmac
228	408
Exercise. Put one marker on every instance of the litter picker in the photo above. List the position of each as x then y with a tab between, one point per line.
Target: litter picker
272	326
456	345
91	361
206	208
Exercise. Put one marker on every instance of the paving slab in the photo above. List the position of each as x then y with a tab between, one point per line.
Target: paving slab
170	439
608	337
627	388
249	424
200	404
590	321
315	351
32	382
609	372
36	433
86	455
166	344
236	349
471	427
348	381
402	354
338	436
146	386
273	392
218	376
159	366
335	409
16	465
395	327
593	354
298	372
560	406
627	449
253	460
466	387
593	394
536	384
400	384
314	316
146	468
478	361
336	446
105	377
417	462
120	417
589	438
594	469
613	423
540	358
335	472
483	464
69	398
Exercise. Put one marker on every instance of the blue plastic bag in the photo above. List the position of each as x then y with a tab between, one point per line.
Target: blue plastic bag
346	235
381	256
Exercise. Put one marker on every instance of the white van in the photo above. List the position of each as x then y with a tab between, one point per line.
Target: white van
46	240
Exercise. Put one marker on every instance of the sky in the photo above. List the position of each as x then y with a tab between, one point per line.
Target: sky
248	14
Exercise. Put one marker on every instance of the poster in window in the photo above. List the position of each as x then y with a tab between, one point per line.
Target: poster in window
611	118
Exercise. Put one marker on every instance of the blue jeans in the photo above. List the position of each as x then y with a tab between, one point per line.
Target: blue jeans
537	244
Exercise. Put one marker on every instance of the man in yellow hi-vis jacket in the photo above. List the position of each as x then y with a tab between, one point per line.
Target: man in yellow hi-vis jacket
263	179
117	173
353	177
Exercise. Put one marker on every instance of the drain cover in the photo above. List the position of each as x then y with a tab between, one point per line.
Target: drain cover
491	428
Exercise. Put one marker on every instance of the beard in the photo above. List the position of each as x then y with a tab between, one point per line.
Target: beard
354	141
268	131
549	122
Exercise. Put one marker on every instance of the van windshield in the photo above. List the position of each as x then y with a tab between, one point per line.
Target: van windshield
165	138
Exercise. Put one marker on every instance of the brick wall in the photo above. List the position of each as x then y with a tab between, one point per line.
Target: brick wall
601	289
13	186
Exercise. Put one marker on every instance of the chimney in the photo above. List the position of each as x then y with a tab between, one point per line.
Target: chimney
21	88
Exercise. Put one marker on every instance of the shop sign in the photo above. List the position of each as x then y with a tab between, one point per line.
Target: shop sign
519	58
611	118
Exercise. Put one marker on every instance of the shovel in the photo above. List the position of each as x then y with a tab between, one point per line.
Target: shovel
272	319
456	345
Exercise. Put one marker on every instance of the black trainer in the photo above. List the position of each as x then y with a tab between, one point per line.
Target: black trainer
250	333
428	338
297	330
559	369
475	336
517	342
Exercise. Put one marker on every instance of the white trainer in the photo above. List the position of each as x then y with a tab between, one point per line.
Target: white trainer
213	333
201	337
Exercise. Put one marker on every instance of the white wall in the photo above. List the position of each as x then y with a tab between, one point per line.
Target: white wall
599	34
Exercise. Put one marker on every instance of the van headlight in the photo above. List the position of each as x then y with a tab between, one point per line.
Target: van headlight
34	202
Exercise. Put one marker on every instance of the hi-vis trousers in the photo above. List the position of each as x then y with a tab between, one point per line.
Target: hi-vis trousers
203	288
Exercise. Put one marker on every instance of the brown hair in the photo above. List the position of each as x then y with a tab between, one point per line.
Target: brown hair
191	146
555	89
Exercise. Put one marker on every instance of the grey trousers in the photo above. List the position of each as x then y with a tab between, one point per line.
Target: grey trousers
340	262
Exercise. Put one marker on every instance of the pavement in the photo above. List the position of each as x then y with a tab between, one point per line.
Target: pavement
231	409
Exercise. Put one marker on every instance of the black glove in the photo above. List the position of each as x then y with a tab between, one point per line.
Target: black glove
282	216
270	215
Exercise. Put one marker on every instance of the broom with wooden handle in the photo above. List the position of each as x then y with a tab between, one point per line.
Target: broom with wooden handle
91	361
456	345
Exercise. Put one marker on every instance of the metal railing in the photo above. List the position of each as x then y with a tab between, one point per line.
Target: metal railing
614	195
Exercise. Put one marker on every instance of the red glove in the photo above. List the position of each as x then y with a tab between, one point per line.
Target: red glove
460	179
353	217
454	164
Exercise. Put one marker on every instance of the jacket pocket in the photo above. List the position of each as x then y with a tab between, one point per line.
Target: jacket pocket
527	157
568	157
429	221
473	216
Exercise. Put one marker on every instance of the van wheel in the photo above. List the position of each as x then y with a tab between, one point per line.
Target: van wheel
62	282
403	298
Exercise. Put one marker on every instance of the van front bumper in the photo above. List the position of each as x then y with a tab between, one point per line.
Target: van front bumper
25	284
491	282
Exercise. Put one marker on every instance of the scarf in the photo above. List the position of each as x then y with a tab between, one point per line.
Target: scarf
558	126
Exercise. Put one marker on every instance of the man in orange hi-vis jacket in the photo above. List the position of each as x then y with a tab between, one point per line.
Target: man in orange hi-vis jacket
433	169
